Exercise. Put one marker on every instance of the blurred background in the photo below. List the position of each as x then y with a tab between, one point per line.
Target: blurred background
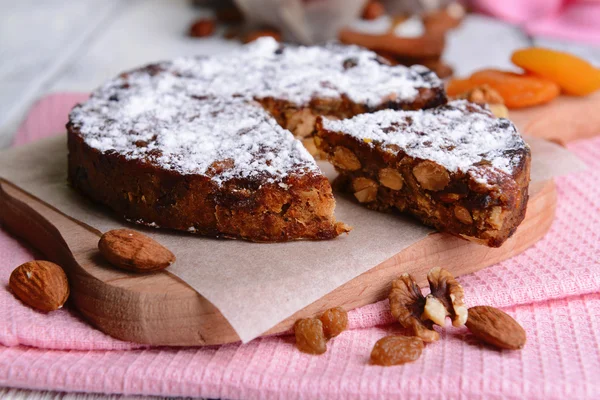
62	45
73	46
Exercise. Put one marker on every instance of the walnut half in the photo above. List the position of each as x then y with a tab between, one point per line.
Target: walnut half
418	313
407	304
446	289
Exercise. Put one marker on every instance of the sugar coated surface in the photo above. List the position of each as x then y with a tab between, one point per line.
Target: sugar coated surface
187	114
224	139
458	136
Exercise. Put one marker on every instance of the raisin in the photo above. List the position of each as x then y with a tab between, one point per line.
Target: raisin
335	321
309	336
395	350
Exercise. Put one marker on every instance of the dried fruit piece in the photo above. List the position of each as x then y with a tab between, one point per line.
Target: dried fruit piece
40	284
133	251
310	337
574	75
496	327
445	288
456	87
407	304
335	321
395	350
517	90
202	28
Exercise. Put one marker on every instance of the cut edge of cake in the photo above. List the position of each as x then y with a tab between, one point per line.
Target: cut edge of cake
456	167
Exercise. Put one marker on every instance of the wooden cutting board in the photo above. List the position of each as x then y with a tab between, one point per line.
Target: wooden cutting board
160	309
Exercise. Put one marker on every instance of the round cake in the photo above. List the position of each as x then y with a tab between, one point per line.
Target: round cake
204	144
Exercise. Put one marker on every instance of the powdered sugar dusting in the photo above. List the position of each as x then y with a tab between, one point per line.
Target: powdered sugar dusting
458	136
224	139
197	115
264	69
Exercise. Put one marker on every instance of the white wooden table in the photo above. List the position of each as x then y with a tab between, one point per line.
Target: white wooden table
62	45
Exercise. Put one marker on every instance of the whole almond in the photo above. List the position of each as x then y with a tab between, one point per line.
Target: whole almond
40	284
496	327
134	251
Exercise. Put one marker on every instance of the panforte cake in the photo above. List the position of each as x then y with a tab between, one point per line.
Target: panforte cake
455	167
202	144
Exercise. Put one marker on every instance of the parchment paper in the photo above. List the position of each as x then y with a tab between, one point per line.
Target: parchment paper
255	286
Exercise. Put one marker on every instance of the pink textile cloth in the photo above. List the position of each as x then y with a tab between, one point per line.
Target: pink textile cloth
577	20
552	289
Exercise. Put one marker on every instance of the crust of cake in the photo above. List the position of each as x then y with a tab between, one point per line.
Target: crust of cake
299	208
487	213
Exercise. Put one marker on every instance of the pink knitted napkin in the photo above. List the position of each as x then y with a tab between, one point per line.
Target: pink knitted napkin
552	289
577	20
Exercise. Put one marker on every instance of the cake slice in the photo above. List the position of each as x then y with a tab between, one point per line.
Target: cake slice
220	167
455	167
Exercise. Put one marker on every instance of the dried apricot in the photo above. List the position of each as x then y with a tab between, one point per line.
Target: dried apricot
456	87
335	321
310	337
574	75
517	90
395	350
